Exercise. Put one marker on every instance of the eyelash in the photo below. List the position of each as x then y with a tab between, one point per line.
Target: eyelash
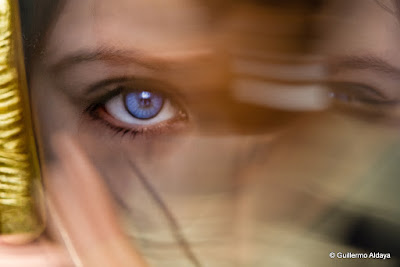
361	100
97	107
92	111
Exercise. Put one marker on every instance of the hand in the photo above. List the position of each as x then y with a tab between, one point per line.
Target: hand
83	213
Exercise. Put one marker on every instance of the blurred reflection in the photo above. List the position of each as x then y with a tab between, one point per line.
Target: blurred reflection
230	133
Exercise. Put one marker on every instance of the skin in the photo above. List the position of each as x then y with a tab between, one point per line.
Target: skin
225	189
358	42
86	245
196	193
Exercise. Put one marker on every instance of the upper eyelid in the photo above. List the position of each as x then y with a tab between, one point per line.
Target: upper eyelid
117	84
380	83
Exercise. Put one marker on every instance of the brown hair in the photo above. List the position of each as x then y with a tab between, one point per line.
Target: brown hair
37	17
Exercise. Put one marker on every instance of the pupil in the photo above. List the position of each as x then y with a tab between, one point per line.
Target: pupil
145	103
145	99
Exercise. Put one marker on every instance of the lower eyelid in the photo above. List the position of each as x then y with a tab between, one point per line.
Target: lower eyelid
175	124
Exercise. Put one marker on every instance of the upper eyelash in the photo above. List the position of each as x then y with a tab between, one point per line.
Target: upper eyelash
376	97
107	82
119	82
107	96
373	106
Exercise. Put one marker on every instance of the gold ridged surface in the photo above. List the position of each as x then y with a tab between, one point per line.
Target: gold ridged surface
18	160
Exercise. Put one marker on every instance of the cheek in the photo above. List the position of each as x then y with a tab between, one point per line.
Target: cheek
181	164
195	176
51	108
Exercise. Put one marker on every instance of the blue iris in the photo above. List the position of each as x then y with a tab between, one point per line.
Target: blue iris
144	105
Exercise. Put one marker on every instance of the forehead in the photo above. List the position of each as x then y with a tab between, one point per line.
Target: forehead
363	27
154	25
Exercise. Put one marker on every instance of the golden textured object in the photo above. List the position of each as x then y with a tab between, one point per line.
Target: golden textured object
20	185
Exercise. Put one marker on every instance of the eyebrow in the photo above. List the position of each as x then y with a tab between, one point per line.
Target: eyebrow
108	54
120	56
367	62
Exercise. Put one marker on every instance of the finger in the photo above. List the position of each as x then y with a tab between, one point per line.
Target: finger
38	254
86	210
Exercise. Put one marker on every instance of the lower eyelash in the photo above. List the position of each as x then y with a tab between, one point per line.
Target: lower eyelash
93	111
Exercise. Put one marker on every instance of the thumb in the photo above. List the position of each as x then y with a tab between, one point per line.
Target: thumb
85	212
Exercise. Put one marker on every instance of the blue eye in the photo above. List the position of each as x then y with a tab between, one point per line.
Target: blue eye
143	105
142	108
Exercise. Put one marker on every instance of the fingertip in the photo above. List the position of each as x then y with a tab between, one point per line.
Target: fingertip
18	239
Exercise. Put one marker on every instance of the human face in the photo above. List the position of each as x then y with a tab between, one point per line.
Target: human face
102	63
142	86
364	67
